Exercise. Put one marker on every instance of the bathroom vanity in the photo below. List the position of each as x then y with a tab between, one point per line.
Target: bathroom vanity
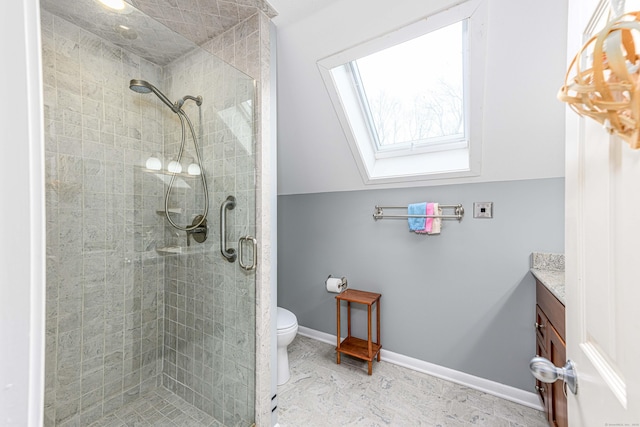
548	270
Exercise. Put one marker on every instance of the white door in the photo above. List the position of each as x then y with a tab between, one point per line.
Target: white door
602	258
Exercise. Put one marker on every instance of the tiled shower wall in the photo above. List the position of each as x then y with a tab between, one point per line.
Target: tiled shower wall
106	283
209	342
104	278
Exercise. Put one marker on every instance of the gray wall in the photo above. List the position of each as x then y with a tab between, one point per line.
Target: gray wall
463	299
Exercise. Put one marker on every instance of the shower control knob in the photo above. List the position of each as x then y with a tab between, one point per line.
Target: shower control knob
200	232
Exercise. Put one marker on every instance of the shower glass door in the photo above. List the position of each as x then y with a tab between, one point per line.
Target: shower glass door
134	305
209	325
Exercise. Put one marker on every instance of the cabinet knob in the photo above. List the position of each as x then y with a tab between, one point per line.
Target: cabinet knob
539	326
540	389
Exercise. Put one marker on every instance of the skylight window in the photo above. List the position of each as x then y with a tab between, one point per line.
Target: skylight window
410	102
414	91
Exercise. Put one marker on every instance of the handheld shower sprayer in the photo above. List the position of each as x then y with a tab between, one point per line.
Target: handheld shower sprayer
143	86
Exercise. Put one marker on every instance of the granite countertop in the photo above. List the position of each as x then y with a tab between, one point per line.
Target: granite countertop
549	270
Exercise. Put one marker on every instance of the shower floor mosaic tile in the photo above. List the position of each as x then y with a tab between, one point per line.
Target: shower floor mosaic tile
158	408
321	393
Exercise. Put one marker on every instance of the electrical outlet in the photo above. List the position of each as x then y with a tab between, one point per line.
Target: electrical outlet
483	209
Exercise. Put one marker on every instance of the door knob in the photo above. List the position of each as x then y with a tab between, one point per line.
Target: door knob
547	372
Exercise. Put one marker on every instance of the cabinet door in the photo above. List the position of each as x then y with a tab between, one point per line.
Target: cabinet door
557	404
542	388
541	327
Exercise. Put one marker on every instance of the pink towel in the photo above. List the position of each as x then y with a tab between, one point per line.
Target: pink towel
429	222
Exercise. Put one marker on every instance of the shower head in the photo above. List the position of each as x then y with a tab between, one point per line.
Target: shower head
140	86
143	86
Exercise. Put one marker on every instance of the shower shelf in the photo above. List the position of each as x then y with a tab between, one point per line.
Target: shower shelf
167	173
177	211
183	250
168	250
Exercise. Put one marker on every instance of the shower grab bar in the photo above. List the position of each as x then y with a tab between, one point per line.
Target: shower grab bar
254	243
458	213
228	253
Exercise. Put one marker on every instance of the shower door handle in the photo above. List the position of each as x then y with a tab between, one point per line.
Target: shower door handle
254	260
228	253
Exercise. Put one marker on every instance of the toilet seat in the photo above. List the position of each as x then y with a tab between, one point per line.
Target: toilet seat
286	320
287	330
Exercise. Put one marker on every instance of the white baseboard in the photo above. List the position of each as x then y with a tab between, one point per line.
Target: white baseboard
503	391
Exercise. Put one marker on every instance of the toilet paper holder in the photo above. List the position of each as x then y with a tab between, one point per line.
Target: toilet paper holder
343	283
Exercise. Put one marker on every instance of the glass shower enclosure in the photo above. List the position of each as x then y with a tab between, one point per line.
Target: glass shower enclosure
133	304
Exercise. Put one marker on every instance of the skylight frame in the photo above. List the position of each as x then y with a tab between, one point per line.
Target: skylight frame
427	163
424	145
364	102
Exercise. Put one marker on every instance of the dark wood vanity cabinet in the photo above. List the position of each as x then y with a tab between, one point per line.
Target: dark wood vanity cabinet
550	343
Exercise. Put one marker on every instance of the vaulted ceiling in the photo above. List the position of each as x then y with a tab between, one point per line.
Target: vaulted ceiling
523	130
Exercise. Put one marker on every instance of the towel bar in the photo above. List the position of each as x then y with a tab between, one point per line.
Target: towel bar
458	213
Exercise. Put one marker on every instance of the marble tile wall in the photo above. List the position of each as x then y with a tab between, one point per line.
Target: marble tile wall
143	36
177	25
209	341
201	21
104	302
107	338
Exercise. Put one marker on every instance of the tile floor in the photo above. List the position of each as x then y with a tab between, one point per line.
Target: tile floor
158	408
321	393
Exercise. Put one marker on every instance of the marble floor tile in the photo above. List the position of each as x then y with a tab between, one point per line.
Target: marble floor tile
158	408
321	393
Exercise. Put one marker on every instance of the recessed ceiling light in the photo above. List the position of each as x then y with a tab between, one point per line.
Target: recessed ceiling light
126	32
118	6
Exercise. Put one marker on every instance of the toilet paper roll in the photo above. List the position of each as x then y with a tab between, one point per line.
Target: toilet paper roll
335	285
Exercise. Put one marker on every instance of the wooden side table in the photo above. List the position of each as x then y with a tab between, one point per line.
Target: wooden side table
356	347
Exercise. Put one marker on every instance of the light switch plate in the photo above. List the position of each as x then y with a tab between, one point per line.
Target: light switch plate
483	209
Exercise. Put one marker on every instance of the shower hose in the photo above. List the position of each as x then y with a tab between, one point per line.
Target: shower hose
183	116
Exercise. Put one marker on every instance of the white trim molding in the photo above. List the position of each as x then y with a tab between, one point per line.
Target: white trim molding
22	249
502	391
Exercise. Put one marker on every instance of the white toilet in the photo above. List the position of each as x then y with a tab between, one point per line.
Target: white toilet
287	330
